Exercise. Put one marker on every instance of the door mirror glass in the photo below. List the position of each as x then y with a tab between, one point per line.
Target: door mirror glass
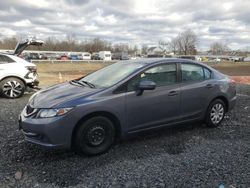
145	85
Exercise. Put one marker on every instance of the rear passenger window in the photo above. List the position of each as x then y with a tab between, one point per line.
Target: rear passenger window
191	72
207	73
162	75
5	59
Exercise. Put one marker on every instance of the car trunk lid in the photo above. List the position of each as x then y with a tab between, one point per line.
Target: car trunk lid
22	45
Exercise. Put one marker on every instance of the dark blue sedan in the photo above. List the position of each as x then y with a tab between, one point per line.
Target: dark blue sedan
89	113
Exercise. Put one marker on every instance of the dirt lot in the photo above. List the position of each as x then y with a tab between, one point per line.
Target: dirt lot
52	73
187	156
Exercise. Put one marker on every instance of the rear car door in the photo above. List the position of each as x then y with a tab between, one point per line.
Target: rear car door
153	107
6	66
196	89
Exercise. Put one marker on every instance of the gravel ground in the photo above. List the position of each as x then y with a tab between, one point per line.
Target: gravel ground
187	156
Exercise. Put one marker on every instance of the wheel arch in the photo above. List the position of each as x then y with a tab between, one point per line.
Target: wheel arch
14	76
106	114
224	99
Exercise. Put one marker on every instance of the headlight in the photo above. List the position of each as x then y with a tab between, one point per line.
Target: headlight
47	113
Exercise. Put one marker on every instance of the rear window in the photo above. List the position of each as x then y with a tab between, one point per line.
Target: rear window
191	72
5	59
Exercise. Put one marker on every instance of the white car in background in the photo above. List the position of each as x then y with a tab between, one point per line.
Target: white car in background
16	74
86	56
105	55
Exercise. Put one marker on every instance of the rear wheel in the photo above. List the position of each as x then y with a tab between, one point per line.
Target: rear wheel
94	136
215	113
12	88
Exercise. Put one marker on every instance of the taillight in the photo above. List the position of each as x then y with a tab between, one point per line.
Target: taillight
31	68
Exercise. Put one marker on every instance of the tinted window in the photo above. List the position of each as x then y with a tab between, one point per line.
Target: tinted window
162	75
207	73
191	72
5	59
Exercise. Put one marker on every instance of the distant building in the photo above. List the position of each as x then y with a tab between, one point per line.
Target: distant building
155	52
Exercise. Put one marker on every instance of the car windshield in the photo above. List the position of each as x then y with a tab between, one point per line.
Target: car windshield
111	75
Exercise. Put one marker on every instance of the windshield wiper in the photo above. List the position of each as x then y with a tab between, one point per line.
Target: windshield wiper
77	82
83	83
88	83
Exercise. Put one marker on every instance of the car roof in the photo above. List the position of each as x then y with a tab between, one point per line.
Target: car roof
158	60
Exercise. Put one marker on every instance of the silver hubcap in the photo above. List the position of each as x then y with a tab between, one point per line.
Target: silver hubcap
12	88
217	113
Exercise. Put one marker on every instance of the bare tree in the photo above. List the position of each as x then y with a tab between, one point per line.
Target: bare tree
163	44
219	48
120	47
9	43
184	43
144	49
173	45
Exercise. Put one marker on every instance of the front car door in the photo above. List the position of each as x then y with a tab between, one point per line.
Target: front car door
153	107
196	88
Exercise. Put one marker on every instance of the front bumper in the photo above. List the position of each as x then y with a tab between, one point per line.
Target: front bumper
33	84
53	132
31	79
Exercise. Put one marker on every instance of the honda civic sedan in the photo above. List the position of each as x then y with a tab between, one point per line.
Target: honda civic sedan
90	113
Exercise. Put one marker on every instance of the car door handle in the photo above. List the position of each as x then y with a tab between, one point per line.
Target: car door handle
209	85
172	93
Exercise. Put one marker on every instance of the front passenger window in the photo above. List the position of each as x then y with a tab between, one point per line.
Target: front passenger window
162	75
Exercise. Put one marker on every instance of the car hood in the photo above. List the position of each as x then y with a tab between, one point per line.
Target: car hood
61	95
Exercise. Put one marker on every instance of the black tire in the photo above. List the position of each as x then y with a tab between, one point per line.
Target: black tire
94	136
12	88
215	113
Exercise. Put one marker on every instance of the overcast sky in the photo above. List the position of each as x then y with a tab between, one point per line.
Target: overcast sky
133	21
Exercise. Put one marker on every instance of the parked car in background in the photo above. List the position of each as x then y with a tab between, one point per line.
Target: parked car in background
63	57
234	59
95	56
120	56
16	73
86	56
51	56
246	59
73	57
105	55
90	113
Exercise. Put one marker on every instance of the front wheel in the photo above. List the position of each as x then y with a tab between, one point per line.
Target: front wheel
94	136
12	88
215	113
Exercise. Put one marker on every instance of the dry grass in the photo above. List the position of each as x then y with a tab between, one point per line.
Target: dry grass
53	73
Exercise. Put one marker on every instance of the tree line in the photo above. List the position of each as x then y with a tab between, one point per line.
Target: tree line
185	43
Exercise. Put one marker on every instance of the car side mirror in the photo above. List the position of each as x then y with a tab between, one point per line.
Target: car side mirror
145	85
